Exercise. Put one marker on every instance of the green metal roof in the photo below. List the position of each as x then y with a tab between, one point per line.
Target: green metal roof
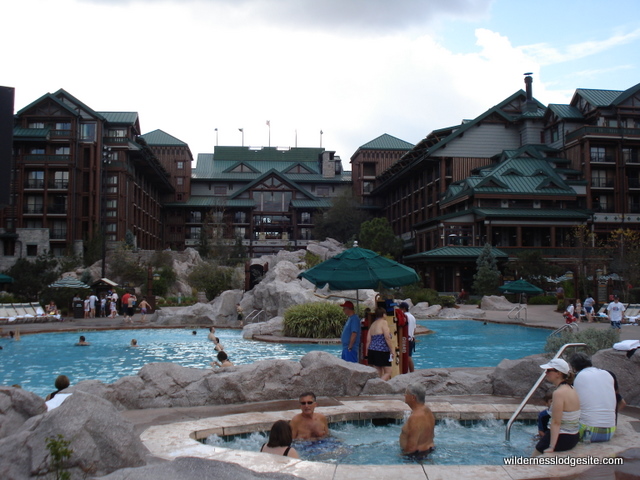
597	98
213	201
162	139
320	203
120	118
566	112
30	133
626	94
267	154
531	213
386	142
454	253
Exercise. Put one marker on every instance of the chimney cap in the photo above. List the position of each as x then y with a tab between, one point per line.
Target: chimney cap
528	73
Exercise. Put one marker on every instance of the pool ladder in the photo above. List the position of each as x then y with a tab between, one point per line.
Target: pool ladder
255	316
514	313
507	435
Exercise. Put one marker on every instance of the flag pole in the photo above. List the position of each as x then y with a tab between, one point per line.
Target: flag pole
321	132
242	131
269	125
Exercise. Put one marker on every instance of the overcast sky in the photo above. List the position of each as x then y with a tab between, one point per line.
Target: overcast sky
354	69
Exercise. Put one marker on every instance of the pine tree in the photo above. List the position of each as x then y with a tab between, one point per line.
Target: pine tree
487	277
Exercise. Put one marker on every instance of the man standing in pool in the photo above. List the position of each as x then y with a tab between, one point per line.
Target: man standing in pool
416	437
309	425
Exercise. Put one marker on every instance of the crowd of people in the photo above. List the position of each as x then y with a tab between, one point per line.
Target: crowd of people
575	312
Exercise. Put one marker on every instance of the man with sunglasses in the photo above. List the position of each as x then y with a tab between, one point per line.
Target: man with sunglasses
309	425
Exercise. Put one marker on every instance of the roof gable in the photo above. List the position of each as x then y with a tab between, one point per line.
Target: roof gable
162	138
267	181
386	142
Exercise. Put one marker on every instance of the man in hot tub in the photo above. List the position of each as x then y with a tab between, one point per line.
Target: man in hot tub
416	438
309	425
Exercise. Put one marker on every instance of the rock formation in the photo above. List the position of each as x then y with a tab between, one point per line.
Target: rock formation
16	407
495	302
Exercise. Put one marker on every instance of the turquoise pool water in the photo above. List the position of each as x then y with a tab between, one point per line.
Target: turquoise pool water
36	360
469	443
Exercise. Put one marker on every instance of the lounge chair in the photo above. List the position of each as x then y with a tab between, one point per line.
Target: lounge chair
602	313
632	313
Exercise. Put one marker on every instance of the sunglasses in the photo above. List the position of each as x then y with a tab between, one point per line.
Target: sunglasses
307	403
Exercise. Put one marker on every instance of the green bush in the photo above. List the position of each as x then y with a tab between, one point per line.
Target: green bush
542	300
314	320
594	339
419	294
213	279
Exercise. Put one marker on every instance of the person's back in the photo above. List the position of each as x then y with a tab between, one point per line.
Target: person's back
597	397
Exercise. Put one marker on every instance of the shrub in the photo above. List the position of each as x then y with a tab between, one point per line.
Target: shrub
314	320
213	279
542	300
311	260
594	339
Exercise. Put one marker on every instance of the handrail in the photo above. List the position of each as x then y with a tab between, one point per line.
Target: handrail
507	435
255	314
567	326
518	308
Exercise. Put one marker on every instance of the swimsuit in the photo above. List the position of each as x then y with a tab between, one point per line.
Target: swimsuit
378	353
285	454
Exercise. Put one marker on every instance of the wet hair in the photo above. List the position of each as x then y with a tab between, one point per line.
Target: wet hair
280	434
62	382
222	356
418	390
308	394
134	342
580	361
82	339
194	333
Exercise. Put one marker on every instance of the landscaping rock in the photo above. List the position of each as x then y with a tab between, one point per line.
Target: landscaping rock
274	326
464	311
626	370
101	439
423	310
495	302
516	377
16	407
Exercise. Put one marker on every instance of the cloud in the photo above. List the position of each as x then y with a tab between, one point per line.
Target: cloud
375	16
546	54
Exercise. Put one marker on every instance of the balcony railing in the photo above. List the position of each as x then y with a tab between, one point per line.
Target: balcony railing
59	184
602	131
57	234
47	158
116	140
602	183
61	134
57	209
33	209
603	158
39	184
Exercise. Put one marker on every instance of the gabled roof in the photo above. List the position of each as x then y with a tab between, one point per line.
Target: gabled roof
454	253
626	94
565	112
66	101
386	142
597	98
120	118
162	139
280	176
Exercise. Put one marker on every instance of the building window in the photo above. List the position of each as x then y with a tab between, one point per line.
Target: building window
33	224
630	155
240	217
240	232
35	179
61	179
112	204
32	250
88	132
602	154
369	169
305	217
305	234
111	227
34	204
36	151
63	150
323	191
180	165
179	181
117	133
59	230
35	125
63	126
195	216
220	190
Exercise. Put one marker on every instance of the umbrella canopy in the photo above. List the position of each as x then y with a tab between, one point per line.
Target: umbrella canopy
359	268
5	278
521	286
68	282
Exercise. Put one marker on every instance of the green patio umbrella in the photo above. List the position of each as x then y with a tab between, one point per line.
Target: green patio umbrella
521	286
357	268
5	278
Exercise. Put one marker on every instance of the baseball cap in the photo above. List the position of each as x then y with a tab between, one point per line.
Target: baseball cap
557	364
404	305
347	304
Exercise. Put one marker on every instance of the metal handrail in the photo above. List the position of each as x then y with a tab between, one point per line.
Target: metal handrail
507	435
567	326
518	309
255	314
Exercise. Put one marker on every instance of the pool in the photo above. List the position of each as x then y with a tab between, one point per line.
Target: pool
37	359
479	442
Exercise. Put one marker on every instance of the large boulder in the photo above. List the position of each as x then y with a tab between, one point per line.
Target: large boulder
495	302
16	407
423	310
516	377
626	370
328	375
102	441
438	381
275	326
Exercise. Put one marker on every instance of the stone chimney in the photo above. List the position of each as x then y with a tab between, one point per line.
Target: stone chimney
328	165
530	104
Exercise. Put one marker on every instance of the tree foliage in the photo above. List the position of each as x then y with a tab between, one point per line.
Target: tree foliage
487	276
623	249
534	268
342	221
213	279
377	235
594	339
124	267
30	277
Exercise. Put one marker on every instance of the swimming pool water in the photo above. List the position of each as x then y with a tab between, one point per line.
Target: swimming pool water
36	360
468	443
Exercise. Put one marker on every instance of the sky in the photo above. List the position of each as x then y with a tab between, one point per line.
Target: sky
351	69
